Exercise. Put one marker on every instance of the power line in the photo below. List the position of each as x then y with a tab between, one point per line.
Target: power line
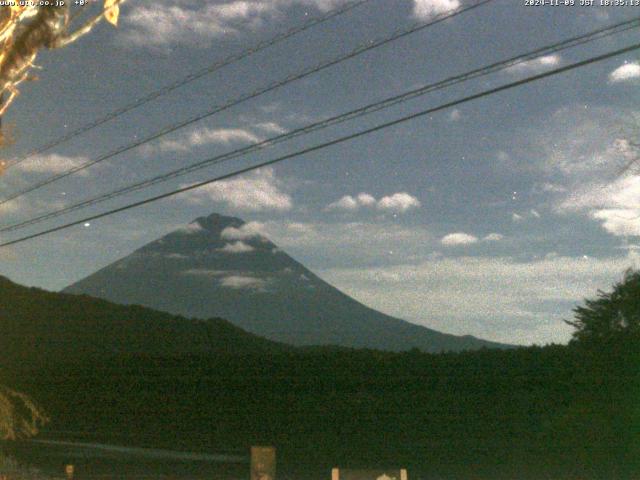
231	59
365	47
368	109
336	141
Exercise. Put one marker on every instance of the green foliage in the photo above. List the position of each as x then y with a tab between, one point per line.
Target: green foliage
612	315
528	413
20	417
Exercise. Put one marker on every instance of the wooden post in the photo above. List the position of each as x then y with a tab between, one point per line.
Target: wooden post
69	470
263	463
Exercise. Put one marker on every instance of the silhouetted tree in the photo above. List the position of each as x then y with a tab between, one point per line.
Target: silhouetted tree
611	315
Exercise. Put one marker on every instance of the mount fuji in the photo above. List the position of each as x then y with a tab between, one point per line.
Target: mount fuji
218	266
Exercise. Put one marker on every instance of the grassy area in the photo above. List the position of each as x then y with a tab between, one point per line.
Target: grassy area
11	468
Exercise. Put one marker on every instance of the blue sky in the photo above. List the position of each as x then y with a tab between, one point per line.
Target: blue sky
494	219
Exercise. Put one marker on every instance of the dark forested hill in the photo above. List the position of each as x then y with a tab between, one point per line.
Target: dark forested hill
37	323
222	267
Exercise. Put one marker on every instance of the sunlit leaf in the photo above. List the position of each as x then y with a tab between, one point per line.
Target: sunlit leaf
111	11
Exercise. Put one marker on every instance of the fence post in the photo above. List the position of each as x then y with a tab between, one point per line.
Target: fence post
263	463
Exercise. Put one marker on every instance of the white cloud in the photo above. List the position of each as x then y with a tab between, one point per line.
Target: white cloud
536	65
237	247
353	242
548	187
176	256
496	298
616	204
229	279
623	193
493	237
301	228
202	137
425	9
619	222
52	163
205	136
271	127
459	238
614	200
366	200
398	202
162	23
585	165
625	73
166	24
246	231
26	205
253	192
193	227
244	282
519	217
588	148
13	206
345	203
204	272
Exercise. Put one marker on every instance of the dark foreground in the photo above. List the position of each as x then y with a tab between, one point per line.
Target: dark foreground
98	460
534	413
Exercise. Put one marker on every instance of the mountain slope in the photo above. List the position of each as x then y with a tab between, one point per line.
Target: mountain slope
218	266
38	324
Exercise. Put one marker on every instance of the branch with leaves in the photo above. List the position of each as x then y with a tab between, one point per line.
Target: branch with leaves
612	315
26	30
20	417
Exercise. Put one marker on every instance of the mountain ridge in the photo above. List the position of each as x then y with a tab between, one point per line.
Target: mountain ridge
221	266
38	324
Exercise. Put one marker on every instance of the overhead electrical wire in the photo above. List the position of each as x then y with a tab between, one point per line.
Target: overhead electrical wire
362	111
229	60
371	108
365	47
336	141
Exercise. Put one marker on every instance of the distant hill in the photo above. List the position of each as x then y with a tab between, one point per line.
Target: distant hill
218	267
36	323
